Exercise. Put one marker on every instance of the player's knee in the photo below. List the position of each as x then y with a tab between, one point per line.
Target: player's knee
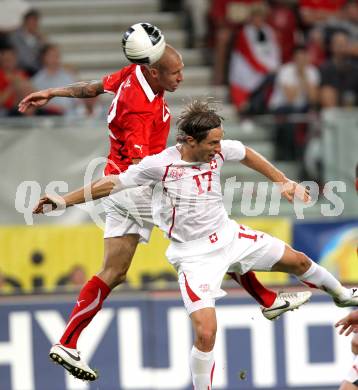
114	272
117	275
206	337
302	263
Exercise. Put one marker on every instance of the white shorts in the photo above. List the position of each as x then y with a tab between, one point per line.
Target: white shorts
352	375
129	212
200	276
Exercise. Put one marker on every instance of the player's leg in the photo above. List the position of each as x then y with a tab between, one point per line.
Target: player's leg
118	253
315	276
202	362
255	250
200	278
264	296
273	304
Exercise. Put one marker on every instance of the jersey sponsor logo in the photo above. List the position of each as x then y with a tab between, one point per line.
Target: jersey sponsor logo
213	238
176	173
213	164
166	113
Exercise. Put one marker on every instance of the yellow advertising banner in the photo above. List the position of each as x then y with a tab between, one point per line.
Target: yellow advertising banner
44	257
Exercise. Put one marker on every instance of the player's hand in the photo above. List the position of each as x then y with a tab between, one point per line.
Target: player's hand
290	189
49	203
348	324
36	99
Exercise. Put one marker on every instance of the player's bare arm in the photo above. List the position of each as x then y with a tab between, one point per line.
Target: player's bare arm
82	89
348	324
96	190
289	188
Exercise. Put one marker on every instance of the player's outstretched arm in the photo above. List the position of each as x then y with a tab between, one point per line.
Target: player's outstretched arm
348	324
289	188
83	89
97	189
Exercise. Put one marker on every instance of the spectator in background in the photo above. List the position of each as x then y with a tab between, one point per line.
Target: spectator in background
52	75
9	285
346	20
225	17
14	84
255	57
295	91
314	11
197	12
283	20
339	84
91	108
28	41
75	279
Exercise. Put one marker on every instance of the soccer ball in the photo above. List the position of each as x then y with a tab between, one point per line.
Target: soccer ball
143	43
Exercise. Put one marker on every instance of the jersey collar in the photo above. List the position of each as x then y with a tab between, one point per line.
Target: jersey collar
144	84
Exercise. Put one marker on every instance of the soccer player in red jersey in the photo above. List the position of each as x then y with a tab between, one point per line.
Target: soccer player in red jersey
139	123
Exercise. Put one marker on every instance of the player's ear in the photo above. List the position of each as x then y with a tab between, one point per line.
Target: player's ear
190	140
154	72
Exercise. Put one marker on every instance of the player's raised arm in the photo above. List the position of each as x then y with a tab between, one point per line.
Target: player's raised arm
82	89
97	189
289	188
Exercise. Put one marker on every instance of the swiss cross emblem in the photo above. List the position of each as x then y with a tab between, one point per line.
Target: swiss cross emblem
213	238
213	164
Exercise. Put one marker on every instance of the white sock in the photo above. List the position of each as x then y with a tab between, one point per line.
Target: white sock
202	368
320	278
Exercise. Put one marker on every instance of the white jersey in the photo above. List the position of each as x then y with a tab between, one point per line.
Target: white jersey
187	202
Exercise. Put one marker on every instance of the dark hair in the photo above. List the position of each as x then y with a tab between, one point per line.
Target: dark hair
298	48
196	120
32	13
7	47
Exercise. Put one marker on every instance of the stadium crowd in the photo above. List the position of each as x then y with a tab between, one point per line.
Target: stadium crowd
29	62
285	58
275	56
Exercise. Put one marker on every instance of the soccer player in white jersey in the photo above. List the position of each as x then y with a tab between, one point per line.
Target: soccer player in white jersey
205	242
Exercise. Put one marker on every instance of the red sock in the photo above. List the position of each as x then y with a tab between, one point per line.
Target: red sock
253	286
89	302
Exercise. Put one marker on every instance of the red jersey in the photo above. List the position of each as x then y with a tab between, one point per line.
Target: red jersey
138	120
12	99
322	5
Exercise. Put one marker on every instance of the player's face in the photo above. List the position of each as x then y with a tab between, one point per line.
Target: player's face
170	77
206	149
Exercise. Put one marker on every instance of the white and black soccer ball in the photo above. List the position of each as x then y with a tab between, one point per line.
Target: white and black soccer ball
143	43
